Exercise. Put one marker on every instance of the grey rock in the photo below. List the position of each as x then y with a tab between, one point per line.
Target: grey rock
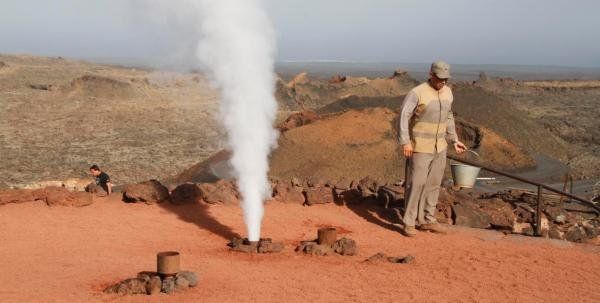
190	276
168	285
470	215
317	249
345	247
154	285
181	283
575	234
555	233
132	286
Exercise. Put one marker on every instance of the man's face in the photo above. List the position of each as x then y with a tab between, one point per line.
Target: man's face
436	82
94	172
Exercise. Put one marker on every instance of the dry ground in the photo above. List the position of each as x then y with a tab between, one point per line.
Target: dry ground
136	124
71	254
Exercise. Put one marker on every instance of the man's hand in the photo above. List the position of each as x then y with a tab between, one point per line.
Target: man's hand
407	149
459	147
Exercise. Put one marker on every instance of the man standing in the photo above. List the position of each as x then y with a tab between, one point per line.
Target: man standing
101	185
426	122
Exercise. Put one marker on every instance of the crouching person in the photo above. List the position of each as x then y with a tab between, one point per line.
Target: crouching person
101	186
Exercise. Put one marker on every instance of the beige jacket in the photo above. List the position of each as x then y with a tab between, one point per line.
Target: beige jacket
426	119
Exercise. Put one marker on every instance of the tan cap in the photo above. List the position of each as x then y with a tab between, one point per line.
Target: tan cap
441	69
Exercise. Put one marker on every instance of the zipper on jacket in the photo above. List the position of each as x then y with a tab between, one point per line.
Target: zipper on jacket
439	122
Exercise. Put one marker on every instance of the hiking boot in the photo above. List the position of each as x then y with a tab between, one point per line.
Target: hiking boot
434	228
409	231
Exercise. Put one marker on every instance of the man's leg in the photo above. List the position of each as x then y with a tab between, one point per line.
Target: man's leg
419	169
432	192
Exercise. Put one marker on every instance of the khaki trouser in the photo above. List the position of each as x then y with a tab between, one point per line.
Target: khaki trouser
425	178
96	189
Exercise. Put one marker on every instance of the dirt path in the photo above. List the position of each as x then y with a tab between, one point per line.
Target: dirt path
70	254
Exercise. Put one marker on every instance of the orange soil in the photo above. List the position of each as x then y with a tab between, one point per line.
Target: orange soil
60	254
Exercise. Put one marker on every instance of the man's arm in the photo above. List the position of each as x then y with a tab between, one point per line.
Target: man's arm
451	135
408	107
109	186
451	129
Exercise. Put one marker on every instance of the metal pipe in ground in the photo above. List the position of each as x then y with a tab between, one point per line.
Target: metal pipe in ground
167	263
326	236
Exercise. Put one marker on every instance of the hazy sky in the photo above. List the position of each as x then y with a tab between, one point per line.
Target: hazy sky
460	31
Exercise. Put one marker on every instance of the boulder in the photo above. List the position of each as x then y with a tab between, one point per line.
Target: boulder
500	212
190	276
20	196
524	213
270	247
287	193
220	192
399	73
134	286
315	249
168	285
317	181
299	79
343	184
319	195
345	247
368	187
555	233
381	257
522	228
149	192
556	213
575	234
60	196
390	194
181	283
468	214
298	119
154	285
590	230
186	193
337	79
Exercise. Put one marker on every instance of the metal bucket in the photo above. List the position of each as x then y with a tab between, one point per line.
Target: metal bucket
464	175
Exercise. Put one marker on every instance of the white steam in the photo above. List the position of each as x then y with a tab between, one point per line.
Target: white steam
238	47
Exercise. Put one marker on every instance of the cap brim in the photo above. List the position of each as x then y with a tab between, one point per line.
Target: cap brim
443	75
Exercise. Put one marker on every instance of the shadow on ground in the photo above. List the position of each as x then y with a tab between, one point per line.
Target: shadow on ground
199	214
374	212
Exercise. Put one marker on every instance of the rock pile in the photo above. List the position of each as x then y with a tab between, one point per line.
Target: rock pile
381	257
52	196
328	244
151	283
149	192
298	119
514	211
510	211
263	246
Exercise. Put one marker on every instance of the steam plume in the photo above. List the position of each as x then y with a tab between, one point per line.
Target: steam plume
238	47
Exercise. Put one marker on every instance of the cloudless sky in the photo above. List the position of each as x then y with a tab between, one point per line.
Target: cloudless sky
552	32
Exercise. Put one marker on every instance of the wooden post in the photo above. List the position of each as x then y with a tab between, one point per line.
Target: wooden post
167	263
538	223
327	236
